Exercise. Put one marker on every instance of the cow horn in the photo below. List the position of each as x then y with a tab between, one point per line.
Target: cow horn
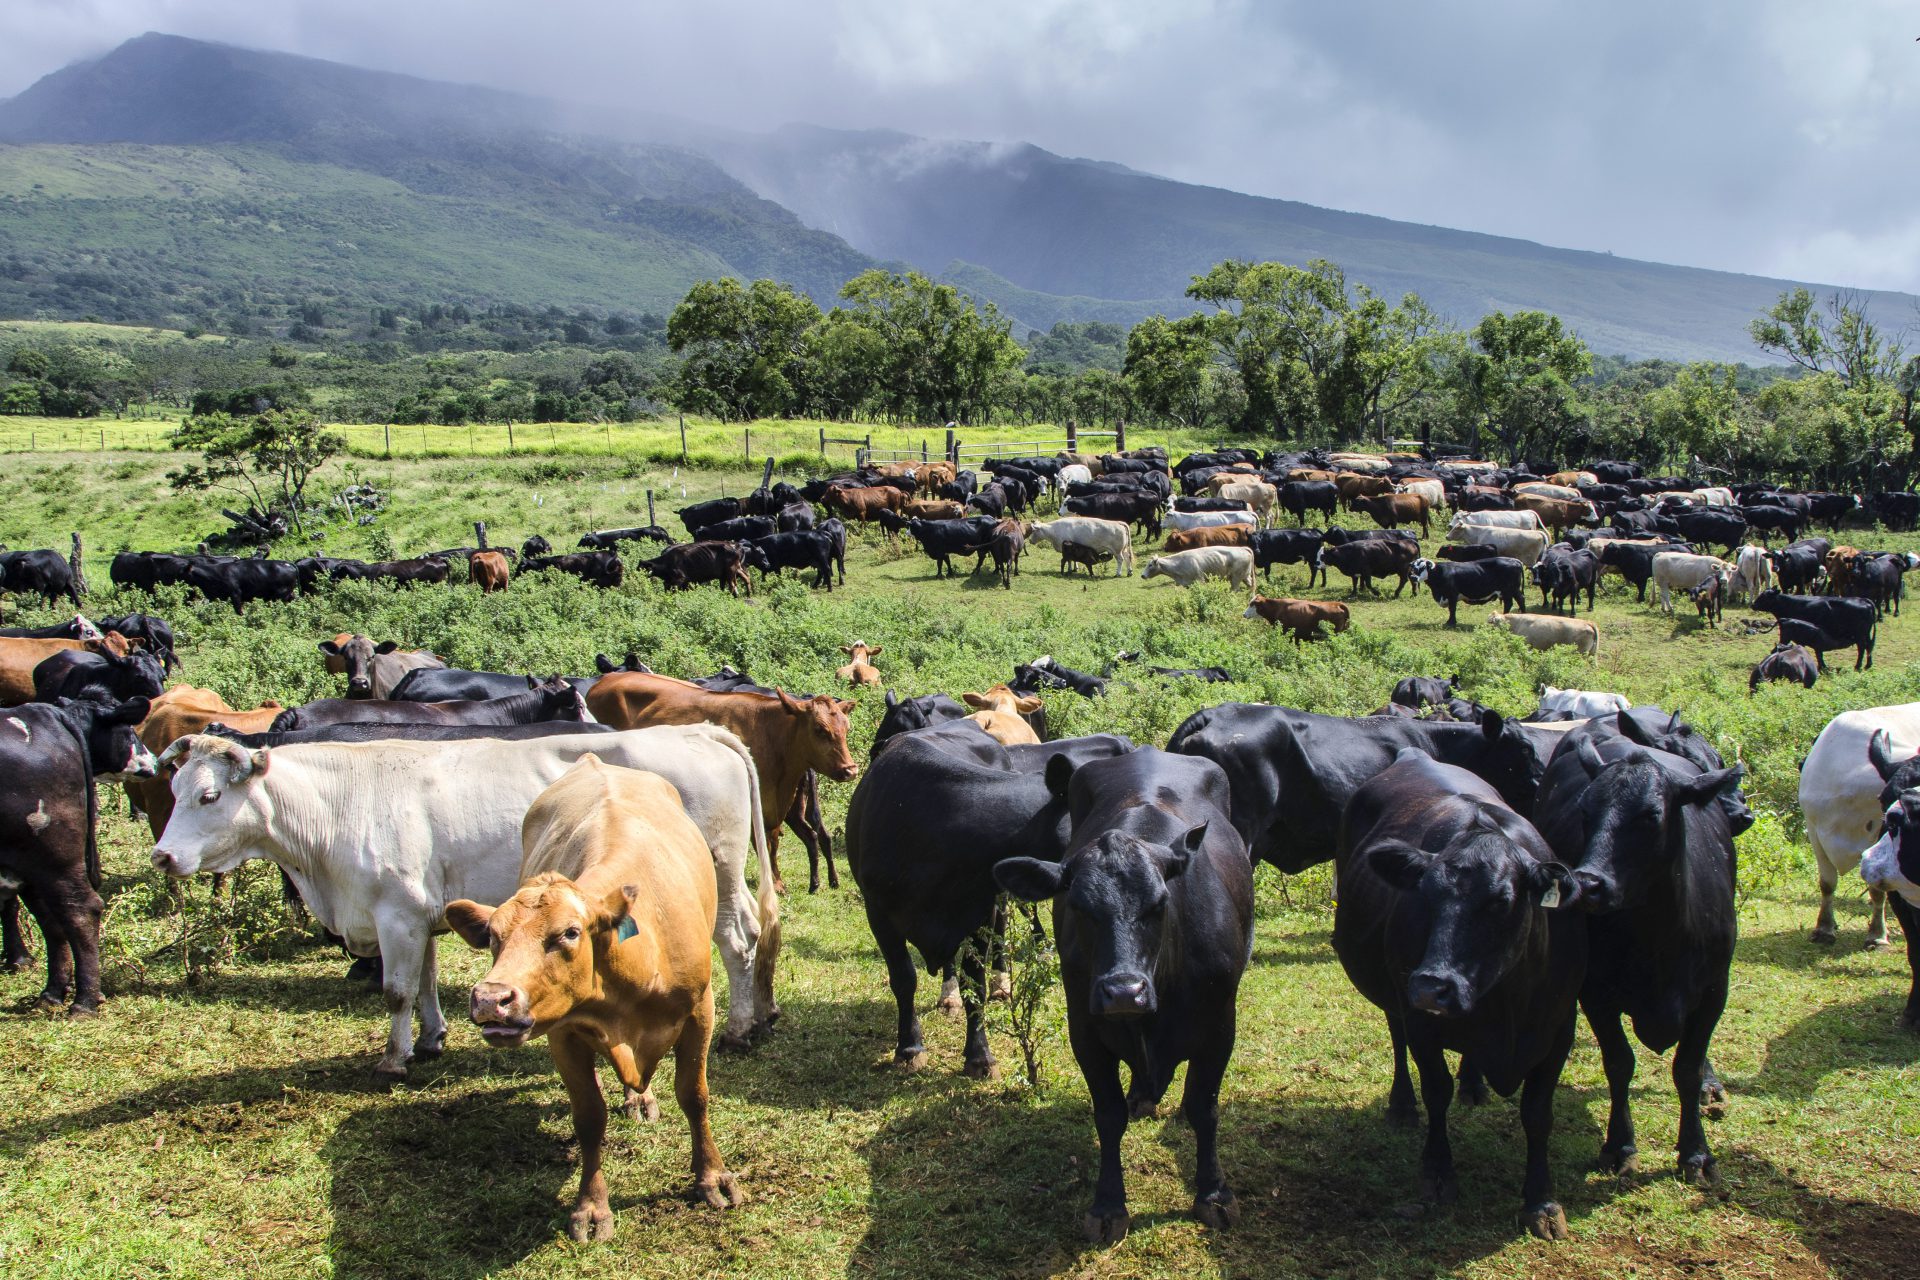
177	748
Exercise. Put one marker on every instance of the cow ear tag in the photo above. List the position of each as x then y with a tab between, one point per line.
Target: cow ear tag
1551	898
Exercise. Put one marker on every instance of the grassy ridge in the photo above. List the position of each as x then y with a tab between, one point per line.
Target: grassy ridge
222	1124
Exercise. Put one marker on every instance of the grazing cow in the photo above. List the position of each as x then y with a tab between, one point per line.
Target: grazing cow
1683	571
1391	510
1365	559
1898	511
786	736
610	539
1880	579
801	549
1467	552
701	514
603	950
239	582
738	529
942	540
863	504
692	563
1712	527
1453	920
1109	536
1708	597
1831	507
1153	911
1524	545
860	669
1849	619
1752	573
602	569
1815	639
1189	568
1840	786
1210	675
1000	714
1764	517
1293	772
406	573
1544	633
541	700
1563	573
1788	661
104	676
1072	553
377	865
1302	618
1632	560
1288	546
1476	582
1233	535
51	754
925	869
1415	692
1577	704
1301	496
374	670
487	570
43	573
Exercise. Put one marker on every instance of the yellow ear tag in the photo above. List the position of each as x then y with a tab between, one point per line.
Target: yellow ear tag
1552	898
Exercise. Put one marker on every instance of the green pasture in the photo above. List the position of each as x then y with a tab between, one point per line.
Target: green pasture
220	1118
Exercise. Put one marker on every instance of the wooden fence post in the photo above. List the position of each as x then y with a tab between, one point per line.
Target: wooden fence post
823	442
389	430
650	519
683	438
1073	436
480	533
949	444
509	435
746	443
1120	436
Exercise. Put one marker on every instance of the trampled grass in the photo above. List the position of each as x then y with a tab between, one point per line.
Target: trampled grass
227	1124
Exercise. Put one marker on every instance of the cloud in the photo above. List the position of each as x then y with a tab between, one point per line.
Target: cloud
1765	136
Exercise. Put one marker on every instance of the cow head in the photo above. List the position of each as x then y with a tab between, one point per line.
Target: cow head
1633	815
1111	913
1678	738
754	556
548	942
820	732
218	805
352	656
905	716
558	699
1419	569
1513	765
114	749
1892	865
1467	915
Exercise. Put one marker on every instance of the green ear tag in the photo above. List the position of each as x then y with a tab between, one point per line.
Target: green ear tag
627	929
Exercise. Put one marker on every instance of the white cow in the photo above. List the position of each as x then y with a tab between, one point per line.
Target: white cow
1683	571
1208	519
1496	520
1432	490
1544	633
1524	545
1235	564
1074	473
1752	572
1110	536
1840	801
380	836
1714	496
1579	704
1257	494
1365	463
1541	489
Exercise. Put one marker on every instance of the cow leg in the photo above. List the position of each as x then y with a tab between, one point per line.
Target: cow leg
1825	929
1437	1182
949	1001
1473	1084
1106	1221
712	1184
573	1057
1909	917
773	854
53	931
637	1084
1000	985
1402	1110
796	821
403	947
1539	1214
909	1050
1696	1164
433	1022
14	953
1619	1153
1877	939
736	932
81	924
978	1061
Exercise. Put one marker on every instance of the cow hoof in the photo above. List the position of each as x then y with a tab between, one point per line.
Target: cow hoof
722	1191
763	1027
83	1011
1217	1209
367	969
430	1048
1403	1114
389	1074
1824	937
1001	988
1699	1171
1105	1228
1878	944
1909	1020
1142	1108
1544	1221
733	1042
950	1004
642	1107
981	1069
780	886
910	1060
1439	1190
1620	1160
47	1002
591	1223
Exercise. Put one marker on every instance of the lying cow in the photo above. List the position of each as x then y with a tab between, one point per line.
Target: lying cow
999	712
1301	618
603	950
1788	661
860	670
1189	568
1577	704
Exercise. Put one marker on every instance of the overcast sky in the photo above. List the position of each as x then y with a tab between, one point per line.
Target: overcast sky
1768	136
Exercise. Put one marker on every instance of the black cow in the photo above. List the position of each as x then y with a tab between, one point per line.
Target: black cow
102	677
1476	582
925	869
1452	919
1763	517
1132	509
1892	865
1711	526
795	517
550	699
738	529
240	581
1153	916
1364	559
1206	675
905	715
1634	562
1302	496
1293	771
150	629
1799	565
994	501
1848	619
1896	510
48	855
1881	579
1653	867
429	569
942	540
1832	507
799	550
602	569
701	514
42	573
1045	673
1288	546
1422	691
1814	639
610	539
1613	472
1788	661
1563	573
146	570
1467	552
1191	505
1479	498
450	684
963	486
837	531
535	546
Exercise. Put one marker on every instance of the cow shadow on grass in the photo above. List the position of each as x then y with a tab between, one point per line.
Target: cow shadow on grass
1861	1034
1793	949
1855	1239
826	1052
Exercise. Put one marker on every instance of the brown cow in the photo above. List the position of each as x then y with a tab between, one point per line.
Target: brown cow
934	509
786	736
487	570
1840	570
1391	510
602	847
179	712
1352	484
18	658
1310	473
999	711
863	504
1557	514
1232	535
931	475
1301	617
861	670
373	670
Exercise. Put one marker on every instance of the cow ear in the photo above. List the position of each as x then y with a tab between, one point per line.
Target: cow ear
1708	787
329	648
132	711
1181	852
974	700
847	649
876	651
603	664
1399	864
1880	753
1030	879
1059	776
1630	729
793	707
846	707
892	700
386	646
533	682
1589	756
1027	706
1492	722
469	919
1554	883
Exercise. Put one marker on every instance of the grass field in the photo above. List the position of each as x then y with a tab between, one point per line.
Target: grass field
220	1119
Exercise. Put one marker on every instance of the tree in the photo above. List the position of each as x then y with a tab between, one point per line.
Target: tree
744	347
943	359
279	450
1699	415
1840	340
1517	374
1168	363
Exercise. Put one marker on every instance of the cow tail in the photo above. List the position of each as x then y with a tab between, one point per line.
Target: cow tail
768	901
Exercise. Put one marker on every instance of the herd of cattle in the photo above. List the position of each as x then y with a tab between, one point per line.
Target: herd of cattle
596	833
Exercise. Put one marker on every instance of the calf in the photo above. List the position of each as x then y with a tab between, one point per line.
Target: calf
1476	582
860	670
1000	714
603	950
1302	618
105	676
487	570
374	670
1153	913
1073	553
1707	598
1189	568
1752	573
1683	571
1451	921
1788	661
1045	673
1006	542
1847	619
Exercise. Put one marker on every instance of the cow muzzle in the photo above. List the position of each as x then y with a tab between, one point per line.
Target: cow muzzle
1442	994
500	1011
165	860
845	772
1123	995
359	688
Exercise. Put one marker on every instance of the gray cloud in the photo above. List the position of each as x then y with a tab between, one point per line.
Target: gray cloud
1764	136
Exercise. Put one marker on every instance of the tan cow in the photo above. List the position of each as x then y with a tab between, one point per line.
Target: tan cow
180	712
933	509
1352	485
1230	535
18	658
1300	617
863	504
861	671
1310	473
487	570
1557	514
601	848
931	475
998	711
1545	633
